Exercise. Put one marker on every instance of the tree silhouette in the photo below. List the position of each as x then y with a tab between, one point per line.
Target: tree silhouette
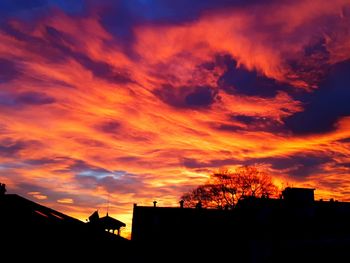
225	188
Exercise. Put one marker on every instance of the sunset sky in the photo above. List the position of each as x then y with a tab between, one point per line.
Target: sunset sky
130	101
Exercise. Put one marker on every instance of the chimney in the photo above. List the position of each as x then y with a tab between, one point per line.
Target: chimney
2	189
181	203
199	205
154	203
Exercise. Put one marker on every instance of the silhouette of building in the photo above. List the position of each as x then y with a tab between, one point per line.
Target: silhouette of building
290	229
257	230
107	223
30	229
298	195
158	224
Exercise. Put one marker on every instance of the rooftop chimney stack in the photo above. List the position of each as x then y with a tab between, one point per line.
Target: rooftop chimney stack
2	189
199	205
181	203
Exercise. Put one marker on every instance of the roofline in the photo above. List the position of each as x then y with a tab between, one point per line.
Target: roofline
64	216
299	188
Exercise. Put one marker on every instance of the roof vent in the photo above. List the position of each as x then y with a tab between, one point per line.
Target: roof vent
181	203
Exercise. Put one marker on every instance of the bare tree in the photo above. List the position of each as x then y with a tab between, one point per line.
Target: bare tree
225	188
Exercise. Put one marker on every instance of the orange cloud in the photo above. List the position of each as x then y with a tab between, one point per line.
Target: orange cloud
65	201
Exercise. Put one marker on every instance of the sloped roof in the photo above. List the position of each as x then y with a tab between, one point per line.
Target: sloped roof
30	227
24	209
111	223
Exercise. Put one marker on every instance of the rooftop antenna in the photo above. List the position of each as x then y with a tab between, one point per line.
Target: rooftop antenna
107	203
